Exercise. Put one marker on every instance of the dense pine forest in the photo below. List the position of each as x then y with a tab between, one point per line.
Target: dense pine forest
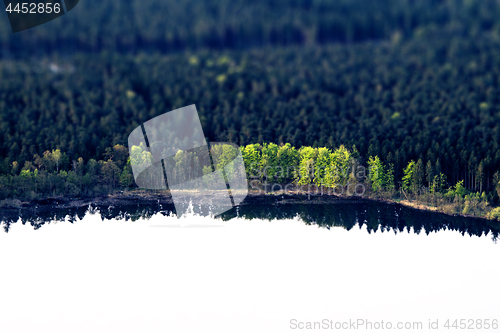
175	25
400	81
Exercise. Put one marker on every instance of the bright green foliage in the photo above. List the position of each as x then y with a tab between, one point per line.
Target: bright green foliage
288	160
307	156
140	157
25	173
56	156
252	157
223	155
376	174
322	167
457	190
126	177
438	183
408	176
460	189
340	166
380	176
269	162
475	204
494	213
413	179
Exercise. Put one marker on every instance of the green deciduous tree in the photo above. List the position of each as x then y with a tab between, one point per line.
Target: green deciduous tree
341	165
380	175
269	163
288	161
307	155
438	183
126	177
323	167
56	156
251	157
408	176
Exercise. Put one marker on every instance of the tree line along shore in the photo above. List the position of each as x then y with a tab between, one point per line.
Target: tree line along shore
270	168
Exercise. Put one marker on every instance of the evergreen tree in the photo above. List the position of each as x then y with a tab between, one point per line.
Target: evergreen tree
418	176
408	178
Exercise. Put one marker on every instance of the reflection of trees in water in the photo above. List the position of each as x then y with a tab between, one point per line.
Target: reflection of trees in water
133	213
37	220
126	213
374	216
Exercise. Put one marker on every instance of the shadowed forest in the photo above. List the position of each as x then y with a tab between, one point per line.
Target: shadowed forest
172	26
403	81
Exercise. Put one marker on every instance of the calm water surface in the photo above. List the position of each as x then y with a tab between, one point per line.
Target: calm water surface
256	269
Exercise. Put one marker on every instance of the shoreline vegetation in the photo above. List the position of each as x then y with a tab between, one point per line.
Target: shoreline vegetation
162	197
290	175
138	197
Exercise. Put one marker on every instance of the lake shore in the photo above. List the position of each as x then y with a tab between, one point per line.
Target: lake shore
144	197
13	207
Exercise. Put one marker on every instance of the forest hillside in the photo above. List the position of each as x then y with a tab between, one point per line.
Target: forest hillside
401	80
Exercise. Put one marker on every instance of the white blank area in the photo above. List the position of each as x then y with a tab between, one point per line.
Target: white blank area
237	276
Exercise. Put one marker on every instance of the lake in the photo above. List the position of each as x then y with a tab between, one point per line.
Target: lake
258	268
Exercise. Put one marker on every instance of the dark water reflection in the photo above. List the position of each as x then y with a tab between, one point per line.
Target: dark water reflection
375	216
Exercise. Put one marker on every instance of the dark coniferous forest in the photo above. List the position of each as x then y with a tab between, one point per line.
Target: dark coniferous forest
402	80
